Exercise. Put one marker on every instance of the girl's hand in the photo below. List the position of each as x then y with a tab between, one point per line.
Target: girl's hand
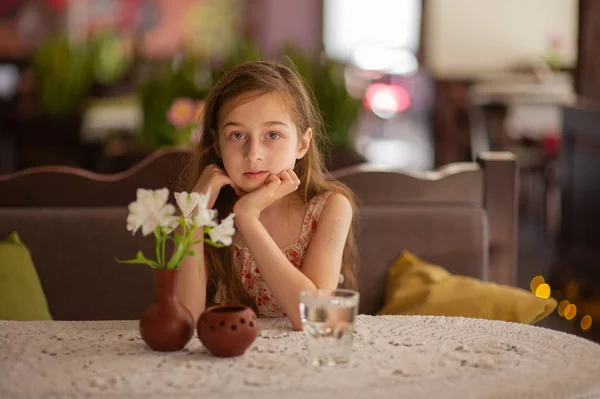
213	178
275	188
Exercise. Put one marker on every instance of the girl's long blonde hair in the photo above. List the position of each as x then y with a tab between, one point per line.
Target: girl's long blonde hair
264	77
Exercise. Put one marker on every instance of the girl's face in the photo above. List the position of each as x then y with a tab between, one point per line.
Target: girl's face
257	137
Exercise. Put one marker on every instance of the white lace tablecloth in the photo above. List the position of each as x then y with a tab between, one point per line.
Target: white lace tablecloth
393	357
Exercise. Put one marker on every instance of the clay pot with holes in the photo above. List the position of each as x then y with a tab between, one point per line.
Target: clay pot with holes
227	330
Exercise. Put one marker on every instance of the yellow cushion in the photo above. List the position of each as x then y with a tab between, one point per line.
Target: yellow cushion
415	287
21	293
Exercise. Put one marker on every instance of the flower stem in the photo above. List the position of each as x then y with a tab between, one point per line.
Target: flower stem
157	236
162	249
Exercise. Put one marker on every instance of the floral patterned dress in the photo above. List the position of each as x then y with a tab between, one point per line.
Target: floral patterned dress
250	275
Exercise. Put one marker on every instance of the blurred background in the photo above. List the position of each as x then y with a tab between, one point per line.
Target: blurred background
414	84
90	82
407	83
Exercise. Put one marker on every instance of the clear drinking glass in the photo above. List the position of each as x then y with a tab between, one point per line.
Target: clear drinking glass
328	323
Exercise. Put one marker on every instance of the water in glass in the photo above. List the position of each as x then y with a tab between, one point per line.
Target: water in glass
328	323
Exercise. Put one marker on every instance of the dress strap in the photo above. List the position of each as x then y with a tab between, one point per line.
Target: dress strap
318	204
315	206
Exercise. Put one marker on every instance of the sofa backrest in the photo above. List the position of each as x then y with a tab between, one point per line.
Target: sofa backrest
74	252
66	186
462	217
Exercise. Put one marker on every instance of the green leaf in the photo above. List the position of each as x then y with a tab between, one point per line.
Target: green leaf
140	260
214	244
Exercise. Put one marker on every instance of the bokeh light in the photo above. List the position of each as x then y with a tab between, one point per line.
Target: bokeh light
562	306
586	322
535	283
570	312
542	291
387	100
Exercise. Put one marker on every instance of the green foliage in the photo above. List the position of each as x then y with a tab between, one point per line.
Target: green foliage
64	73
65	70
188	76
246	51
183	243
111	61
183	78
326	78
140	259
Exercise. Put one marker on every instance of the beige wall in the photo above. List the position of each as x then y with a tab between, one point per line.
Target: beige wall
471	36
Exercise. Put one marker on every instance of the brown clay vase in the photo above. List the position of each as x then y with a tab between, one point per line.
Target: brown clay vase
227	330
167	325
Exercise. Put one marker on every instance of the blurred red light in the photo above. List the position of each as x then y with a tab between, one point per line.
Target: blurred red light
387	98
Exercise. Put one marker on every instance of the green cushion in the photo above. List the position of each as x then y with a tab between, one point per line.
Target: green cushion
21	294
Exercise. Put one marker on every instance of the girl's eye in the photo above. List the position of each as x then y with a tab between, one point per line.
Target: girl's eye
273	135
236	136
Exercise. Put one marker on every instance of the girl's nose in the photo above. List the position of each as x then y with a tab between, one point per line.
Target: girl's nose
253	151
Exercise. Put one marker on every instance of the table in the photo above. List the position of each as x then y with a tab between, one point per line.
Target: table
394	356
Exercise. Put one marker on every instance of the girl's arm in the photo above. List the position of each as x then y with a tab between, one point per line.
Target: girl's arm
322	262
191	283
190	288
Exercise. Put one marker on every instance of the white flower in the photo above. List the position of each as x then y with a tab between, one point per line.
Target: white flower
161	196
203	199
151	210
166	219
153	198
186	202
152	213
206	217
224	232
143	194
138	214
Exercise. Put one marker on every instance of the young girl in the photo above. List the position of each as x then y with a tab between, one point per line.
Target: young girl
257	156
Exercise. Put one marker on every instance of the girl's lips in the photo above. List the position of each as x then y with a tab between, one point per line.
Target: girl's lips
255	175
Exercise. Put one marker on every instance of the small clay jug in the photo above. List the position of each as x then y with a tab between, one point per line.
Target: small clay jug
167	325
227	330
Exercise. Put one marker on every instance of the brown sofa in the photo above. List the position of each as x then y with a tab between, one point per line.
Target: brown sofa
462	216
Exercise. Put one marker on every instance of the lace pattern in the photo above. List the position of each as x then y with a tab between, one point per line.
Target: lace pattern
392	357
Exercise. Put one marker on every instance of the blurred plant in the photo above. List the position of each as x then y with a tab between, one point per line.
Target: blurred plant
111	60
188	76
554	55
64	73
326	77
182	78
212	27
245	51
184	115
65	70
